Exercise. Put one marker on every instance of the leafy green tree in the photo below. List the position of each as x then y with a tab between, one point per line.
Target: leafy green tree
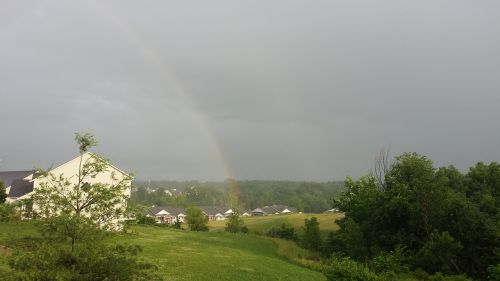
439	254
311	239
286	231
235	224
3	193
446	221
196	220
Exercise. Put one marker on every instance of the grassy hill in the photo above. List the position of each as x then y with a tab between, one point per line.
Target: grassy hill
184	255
264	224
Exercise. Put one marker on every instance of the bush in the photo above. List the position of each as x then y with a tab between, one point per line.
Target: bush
345	269
235	224
394	261
494	272
9	212
92	261
142	219
286	231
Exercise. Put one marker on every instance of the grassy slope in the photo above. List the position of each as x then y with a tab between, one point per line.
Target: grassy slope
263	224
184	255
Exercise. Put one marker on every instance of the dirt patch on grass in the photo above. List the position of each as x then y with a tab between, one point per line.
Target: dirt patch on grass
5	252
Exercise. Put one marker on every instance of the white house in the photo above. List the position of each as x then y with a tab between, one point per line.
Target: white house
21	184
166	214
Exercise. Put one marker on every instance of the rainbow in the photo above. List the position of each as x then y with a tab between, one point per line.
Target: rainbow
173	84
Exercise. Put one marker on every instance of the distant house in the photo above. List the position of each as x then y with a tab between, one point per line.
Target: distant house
227	211
166	215
171	215
213	213
273	210
333	210
258	212
270	210
282	209
245	213
241	212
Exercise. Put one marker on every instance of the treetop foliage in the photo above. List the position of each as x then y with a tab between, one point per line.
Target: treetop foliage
447	221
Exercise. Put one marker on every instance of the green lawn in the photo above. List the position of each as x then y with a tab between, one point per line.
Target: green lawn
265	223
184	255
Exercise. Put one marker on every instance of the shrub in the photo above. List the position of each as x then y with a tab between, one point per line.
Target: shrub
142	219
9	212
286	231
92	261
394	261
494	272
235	224
345	269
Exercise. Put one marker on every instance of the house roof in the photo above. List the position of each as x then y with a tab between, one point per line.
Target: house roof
8	177
20	187
172	211
280	208
258	210
211	210
270	209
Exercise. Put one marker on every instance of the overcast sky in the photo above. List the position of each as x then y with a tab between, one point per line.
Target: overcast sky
301	90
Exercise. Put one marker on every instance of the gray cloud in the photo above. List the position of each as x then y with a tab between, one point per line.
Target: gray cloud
260	89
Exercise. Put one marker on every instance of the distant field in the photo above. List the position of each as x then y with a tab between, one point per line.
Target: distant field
265	223
184	255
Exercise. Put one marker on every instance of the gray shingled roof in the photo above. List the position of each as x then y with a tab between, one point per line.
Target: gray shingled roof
8	177
210	210
269	210
20	187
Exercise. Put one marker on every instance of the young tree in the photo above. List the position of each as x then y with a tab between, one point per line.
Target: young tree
196	220
235	224
81	195
312	238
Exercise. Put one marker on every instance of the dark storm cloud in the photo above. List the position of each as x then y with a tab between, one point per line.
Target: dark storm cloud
257	89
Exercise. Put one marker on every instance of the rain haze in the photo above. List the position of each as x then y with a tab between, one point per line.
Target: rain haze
207	90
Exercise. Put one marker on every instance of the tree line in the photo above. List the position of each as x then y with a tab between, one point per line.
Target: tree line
310	197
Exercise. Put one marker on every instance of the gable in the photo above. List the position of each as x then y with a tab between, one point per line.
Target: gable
162	212
71	167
